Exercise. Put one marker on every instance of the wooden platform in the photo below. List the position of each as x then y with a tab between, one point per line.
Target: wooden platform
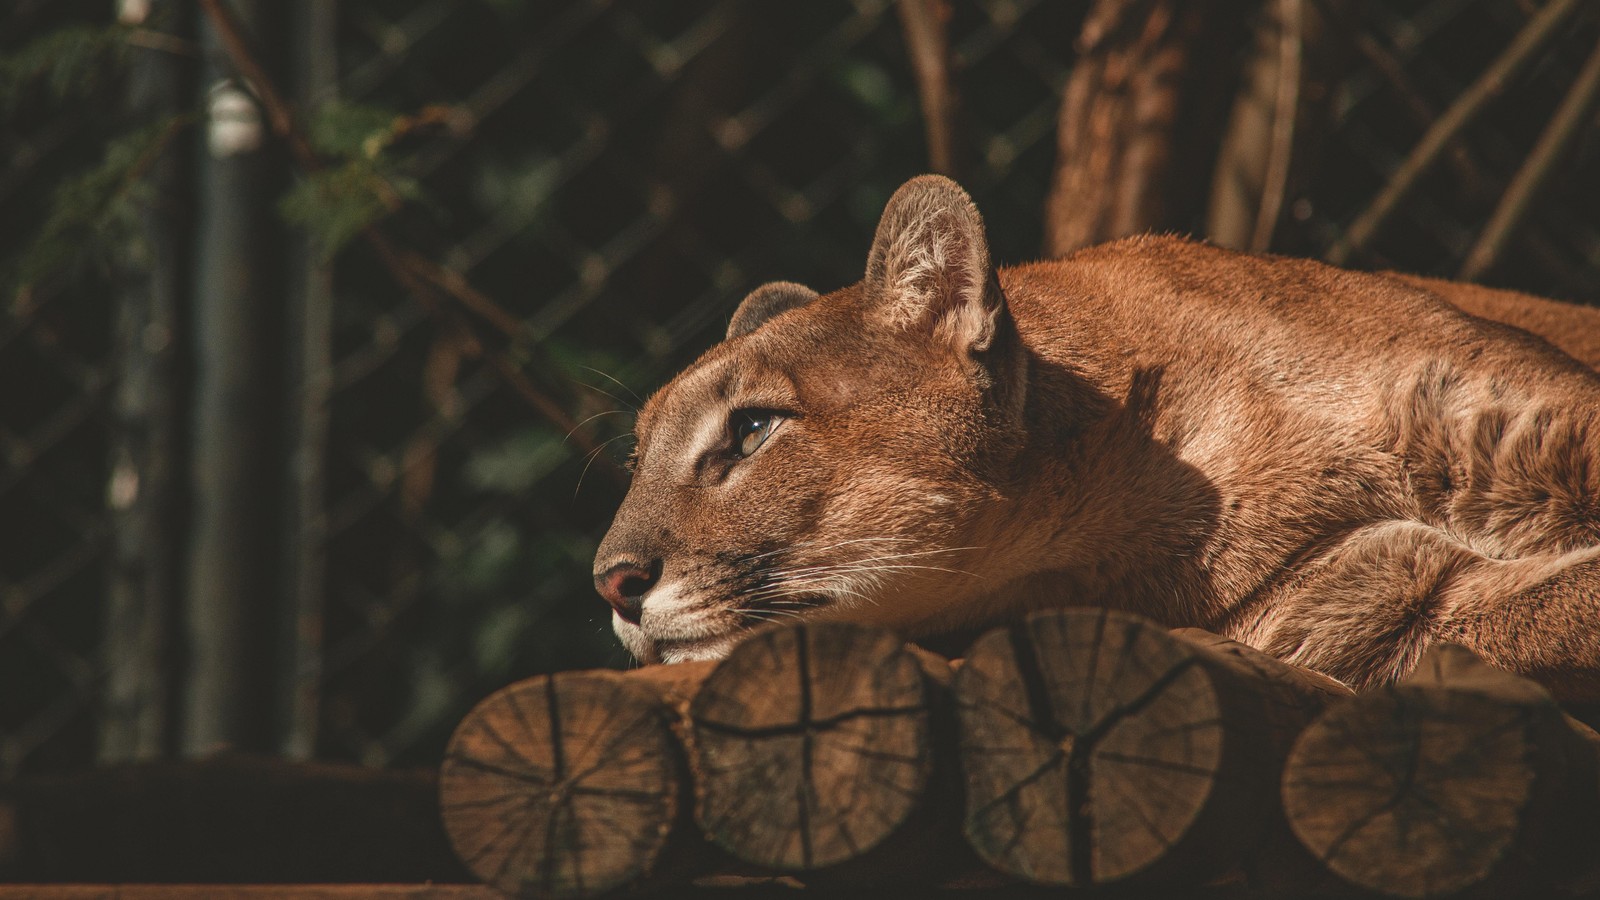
767	891
247	892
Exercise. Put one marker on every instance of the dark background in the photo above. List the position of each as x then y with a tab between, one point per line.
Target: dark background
284	452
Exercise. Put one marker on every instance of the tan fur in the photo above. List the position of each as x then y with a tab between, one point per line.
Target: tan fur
1337	467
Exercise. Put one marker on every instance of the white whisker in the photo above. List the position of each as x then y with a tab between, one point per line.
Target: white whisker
604	412
856	580
594	455
813	547
614	381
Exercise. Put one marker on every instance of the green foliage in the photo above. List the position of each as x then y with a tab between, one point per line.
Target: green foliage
349	130
872	86
510	590
518	189
363	184
336	204
94	213
70	64
518	462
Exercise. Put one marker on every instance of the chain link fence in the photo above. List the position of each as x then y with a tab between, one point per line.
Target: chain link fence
615	176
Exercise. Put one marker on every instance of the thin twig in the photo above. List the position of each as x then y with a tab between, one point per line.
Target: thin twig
419	276
1565	126
1393	72
1285	116
1523	49
925	24
456	285
163	42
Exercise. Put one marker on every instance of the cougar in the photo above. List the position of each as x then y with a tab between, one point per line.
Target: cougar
1336	467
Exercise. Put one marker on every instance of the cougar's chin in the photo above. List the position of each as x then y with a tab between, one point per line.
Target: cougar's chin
652	650
696	651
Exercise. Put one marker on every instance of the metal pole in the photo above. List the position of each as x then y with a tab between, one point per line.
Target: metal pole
237	443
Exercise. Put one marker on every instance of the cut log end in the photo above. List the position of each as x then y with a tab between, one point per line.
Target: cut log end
1412	792
1091	741
811	745
563	786
1463	776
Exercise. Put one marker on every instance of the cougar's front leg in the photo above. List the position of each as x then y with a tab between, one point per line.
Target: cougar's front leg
1362	606
1364	609
1539	616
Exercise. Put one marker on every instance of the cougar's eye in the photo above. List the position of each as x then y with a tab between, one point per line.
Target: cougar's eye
750	429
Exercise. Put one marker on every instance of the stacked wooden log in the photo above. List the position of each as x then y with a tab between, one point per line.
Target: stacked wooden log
1079	748
1460	779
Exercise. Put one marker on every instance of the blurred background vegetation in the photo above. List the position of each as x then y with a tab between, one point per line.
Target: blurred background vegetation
324	321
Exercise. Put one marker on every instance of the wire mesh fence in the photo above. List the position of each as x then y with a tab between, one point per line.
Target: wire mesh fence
614	176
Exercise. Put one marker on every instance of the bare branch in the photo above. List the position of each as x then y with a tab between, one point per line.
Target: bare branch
1565	127
1287	102
1393	72
1272	120
1523	49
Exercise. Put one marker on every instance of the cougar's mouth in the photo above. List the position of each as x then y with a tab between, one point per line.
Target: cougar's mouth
676	651
709	640
677	626
652	649
680	625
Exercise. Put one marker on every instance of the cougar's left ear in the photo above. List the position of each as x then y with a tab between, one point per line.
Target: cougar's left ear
765	302
929	266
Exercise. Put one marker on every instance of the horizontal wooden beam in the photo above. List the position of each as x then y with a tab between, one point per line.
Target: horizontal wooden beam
248	892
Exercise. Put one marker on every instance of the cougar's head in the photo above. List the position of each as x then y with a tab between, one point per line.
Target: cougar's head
834	456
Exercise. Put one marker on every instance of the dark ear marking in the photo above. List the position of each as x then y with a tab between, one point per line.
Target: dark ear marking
765	302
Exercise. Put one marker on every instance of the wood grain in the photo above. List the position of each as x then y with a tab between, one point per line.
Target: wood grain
568	785
1098	747
811	745
1463	777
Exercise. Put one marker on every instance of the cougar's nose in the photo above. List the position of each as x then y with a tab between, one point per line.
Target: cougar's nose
624	586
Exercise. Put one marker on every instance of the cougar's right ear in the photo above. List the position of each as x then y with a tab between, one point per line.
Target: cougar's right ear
929	266
765	302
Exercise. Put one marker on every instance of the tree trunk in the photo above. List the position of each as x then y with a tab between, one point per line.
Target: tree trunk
1279	118
308	367
1142	109
926	27
236	435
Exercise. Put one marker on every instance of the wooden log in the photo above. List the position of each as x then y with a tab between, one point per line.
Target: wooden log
1098	747
763	891
1460	779
230	818
573	784
812	748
